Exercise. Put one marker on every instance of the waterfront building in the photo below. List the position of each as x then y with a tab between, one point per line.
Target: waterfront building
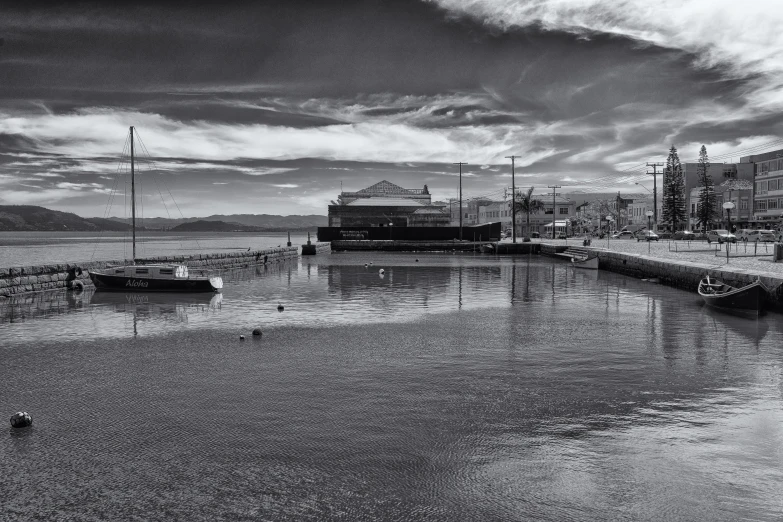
563	211
387	204
768	187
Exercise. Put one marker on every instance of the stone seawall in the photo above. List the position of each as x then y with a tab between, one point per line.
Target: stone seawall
20	280
680	274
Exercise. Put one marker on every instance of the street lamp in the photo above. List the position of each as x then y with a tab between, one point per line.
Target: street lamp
649	214
609	219
728	206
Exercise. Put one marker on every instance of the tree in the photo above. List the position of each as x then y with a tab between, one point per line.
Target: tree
526	204
705	210
673	191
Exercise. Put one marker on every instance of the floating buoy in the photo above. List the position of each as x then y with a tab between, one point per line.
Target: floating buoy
417	260
280	307
77	286
370	262
366	265
241	337
257	332
21	419
381	271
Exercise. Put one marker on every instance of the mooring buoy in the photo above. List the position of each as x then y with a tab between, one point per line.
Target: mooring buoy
257	332
241	337
21	419
417	260
280	307
381	271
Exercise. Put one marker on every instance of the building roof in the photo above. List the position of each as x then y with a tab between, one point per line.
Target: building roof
385	202
557	224
385	187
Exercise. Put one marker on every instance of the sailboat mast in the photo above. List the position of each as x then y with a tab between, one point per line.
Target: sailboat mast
133	197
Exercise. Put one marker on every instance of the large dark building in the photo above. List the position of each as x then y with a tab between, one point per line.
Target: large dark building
385	204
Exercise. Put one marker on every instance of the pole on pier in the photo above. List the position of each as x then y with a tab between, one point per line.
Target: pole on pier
513	202
655	174
460	163
554	209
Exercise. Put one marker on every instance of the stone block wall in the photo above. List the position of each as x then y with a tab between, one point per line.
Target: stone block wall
21	280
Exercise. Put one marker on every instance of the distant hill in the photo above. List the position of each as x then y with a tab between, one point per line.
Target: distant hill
214	226
35	218
267	222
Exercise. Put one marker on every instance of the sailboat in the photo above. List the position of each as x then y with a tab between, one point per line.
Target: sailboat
154	277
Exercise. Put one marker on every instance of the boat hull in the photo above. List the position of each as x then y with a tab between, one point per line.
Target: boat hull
748	300
589	263
123	283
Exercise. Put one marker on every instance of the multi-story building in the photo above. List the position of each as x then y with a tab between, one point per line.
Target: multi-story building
768	187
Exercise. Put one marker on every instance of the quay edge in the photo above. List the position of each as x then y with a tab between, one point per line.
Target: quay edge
677	273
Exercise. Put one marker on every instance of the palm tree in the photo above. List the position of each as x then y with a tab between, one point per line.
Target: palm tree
525	203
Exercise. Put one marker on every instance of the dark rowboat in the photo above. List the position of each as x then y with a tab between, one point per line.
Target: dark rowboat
748	300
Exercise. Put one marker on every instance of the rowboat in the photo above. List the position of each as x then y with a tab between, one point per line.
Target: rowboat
587	262
748	300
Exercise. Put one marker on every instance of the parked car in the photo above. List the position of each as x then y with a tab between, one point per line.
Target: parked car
742	234
685	235
535	235
664	235
561	235
721	236
625	234
646	235
764	236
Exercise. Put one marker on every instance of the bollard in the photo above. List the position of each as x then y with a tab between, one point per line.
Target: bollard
777	253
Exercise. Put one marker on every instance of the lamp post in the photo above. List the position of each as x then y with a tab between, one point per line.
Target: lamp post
609	219
728	206
649	228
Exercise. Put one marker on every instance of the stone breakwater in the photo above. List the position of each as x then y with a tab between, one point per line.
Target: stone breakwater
26	279
680	273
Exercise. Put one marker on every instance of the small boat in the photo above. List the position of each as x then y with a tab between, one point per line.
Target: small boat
150	278
586	262
748	300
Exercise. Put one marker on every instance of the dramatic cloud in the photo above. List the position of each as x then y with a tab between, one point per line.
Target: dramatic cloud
273	106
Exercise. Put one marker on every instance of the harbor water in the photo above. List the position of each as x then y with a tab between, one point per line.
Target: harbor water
449	387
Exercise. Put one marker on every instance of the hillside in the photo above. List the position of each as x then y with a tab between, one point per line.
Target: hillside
35	218
267	222
214	226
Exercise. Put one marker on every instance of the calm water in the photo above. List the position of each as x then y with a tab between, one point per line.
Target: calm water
41	248
459	387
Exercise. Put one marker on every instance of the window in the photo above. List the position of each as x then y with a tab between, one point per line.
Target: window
764	167
548	210
142	271
166	271
773	184
761	205
772	204
743	204
564	210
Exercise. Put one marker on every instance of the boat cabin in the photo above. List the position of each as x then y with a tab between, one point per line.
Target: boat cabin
151	271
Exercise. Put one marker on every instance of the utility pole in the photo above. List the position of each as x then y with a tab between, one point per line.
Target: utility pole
513	203
554	206
460	163
654	174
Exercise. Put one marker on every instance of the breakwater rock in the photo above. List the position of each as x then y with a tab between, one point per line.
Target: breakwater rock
26	279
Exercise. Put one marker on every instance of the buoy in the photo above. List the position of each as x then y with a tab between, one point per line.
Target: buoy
366	265
257	332
280	307
370	262
21	419
417	260
381	271
241	337
77	286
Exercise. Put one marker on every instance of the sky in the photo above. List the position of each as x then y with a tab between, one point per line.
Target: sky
272	107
